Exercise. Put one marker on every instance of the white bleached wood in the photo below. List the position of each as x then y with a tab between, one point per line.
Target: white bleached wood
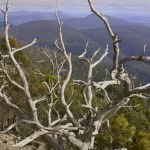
81	132
66	81
105	84
24	47
18	67
29	139
9	128
113	36
82	56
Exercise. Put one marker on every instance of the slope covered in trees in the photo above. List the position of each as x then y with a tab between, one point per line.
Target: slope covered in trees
112	111
132	38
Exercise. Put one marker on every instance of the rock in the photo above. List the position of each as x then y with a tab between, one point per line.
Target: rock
6	140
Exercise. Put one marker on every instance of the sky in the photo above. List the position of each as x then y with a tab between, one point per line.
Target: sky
81	6
80	2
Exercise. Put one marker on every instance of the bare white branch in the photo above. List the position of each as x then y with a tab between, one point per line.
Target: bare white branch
13	82
82	56
40	100
135	58
66	81
101	58
9	128
24	47
30	139
105	84
18	67
63	125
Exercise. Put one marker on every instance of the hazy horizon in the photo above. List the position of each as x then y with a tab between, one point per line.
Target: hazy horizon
84	3
109	10
112	6
78	8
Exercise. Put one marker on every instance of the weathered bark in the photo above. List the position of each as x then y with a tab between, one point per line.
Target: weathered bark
80	132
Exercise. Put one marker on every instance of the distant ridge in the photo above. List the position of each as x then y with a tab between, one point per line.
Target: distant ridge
92	21
133	37
46	33
20	17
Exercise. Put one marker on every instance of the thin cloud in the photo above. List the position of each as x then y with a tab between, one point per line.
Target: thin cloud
79	2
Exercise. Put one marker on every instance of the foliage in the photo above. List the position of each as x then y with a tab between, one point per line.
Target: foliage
129	128
122	132
143	140
78	111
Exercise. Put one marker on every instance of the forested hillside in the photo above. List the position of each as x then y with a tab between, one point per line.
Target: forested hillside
83	84
132	36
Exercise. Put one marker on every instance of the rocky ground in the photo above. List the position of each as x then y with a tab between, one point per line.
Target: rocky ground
6	140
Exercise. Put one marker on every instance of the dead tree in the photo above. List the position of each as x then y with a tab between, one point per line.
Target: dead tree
67	127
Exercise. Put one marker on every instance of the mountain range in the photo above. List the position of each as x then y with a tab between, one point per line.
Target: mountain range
20	17
92	21
77	31
46	33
